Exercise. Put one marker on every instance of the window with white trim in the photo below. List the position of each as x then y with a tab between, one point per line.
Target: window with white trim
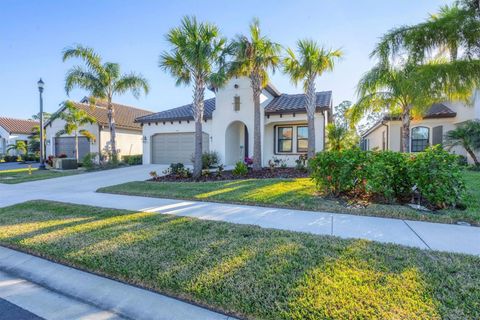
302	139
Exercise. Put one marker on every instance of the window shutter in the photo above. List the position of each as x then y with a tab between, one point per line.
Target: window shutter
437	135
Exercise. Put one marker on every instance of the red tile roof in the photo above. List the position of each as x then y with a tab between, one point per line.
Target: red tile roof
17	125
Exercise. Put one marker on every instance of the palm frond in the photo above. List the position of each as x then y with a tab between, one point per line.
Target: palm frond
132	82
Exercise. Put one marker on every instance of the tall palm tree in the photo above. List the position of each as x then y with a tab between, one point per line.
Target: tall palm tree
409	89
467	136
255	55
75	119
312	61
197	57
102	81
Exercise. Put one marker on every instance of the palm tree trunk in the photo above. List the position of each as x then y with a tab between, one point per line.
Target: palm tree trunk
473	155
311	106
76	146
406	128
198	97
257	135
111	127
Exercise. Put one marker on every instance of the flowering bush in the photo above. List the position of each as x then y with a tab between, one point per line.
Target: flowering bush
248	161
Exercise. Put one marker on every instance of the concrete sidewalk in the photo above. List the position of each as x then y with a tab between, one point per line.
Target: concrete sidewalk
54	291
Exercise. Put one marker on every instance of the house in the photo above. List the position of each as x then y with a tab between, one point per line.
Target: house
429	130
13	130
128	132
228	126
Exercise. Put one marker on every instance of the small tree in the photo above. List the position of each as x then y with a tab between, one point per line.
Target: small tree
34	140
306	66
74	119
466	136
20	147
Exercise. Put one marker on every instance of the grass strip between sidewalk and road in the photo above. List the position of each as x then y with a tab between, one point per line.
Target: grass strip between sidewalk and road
298	194
15	176
248	271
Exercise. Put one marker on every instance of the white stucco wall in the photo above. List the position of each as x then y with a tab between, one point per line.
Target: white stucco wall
129	142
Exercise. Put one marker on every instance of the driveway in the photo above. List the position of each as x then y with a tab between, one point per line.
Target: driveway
80	189
17	165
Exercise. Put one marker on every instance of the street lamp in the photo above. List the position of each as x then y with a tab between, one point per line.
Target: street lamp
40	84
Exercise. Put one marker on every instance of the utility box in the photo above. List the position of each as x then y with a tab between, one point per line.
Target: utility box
65	164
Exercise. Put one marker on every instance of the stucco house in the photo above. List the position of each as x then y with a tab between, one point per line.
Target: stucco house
128	132
168	136
13	130
429	130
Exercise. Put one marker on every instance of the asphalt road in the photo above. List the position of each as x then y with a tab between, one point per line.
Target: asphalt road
16	165
10	311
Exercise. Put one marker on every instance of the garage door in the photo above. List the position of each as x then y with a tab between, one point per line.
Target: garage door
170	148
66	145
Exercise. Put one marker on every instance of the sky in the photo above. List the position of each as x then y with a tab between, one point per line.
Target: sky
132	33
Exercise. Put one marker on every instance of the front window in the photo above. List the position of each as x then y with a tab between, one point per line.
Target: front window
420	139
302	139
285	139
236	103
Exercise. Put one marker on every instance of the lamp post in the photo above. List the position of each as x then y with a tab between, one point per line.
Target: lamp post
42	157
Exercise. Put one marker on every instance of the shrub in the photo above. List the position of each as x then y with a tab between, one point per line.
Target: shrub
338	172
210	159
132	160
387	175
300	163
392	176
240	169
248	161
88	160
437	175
179	170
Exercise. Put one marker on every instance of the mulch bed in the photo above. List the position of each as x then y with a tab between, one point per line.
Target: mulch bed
265	173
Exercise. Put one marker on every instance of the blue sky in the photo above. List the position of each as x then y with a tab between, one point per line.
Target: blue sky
33	34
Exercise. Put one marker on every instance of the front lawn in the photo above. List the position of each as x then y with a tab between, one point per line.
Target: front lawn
298	194
248	271
23	175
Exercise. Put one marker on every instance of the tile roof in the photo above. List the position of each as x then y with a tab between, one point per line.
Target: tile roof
281	104
296	102
18	125
439	110
180	113
124	115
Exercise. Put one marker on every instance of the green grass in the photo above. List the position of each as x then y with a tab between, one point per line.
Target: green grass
22	175
248	271
297	194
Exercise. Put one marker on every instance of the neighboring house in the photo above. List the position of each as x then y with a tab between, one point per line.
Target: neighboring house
228	126
13	130
430	130
128	133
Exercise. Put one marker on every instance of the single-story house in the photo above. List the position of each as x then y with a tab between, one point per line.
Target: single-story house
128	132
429	130
13	130
228	126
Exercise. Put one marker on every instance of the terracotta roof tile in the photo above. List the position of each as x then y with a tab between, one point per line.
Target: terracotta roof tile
18	125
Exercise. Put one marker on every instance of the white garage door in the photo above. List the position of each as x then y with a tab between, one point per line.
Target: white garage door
170	148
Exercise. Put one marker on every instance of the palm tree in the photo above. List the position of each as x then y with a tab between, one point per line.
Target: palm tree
454	29
75	118
409	89
20	147
254	57
340	137
102	81
196	57
312	62
467	136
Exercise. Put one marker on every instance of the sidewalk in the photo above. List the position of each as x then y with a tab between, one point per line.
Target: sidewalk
54	291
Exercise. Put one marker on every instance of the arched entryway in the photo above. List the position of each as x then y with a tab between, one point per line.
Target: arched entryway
236	143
